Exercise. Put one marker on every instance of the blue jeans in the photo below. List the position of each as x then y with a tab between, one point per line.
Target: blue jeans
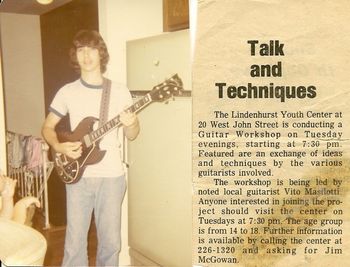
104	196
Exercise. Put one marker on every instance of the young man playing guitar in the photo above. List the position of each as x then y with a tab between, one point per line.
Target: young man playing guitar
102	185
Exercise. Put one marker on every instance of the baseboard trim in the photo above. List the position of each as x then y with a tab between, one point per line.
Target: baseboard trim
137	259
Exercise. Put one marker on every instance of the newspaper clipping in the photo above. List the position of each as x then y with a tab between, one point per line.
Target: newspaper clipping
271	133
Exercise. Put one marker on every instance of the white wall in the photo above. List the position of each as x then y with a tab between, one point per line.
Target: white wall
3	165
23	74
124	20
121	21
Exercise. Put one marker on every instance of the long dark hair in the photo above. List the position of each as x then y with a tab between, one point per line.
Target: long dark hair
91	39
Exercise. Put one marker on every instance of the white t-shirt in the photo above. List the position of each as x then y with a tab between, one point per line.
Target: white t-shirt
82	100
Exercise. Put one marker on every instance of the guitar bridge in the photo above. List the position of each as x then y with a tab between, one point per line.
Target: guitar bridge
61	159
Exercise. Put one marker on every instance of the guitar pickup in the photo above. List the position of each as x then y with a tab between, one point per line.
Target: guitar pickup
87	140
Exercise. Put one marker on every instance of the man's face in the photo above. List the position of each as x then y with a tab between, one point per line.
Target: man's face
88	59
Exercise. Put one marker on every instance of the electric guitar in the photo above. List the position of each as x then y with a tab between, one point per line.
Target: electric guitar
70	170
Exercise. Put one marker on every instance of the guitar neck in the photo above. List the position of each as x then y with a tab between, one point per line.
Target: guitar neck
161	92
115	122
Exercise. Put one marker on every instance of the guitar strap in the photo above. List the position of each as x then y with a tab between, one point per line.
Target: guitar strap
104	106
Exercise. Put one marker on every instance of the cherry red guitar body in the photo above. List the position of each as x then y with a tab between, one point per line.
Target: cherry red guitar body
70	170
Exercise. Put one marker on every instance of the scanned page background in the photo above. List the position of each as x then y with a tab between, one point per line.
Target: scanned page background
316	49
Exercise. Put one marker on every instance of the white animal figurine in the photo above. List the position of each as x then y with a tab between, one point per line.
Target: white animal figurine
17	212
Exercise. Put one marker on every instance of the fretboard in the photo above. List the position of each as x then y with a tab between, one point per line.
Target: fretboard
115	122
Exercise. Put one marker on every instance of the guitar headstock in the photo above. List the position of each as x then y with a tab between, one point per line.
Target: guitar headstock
167	89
